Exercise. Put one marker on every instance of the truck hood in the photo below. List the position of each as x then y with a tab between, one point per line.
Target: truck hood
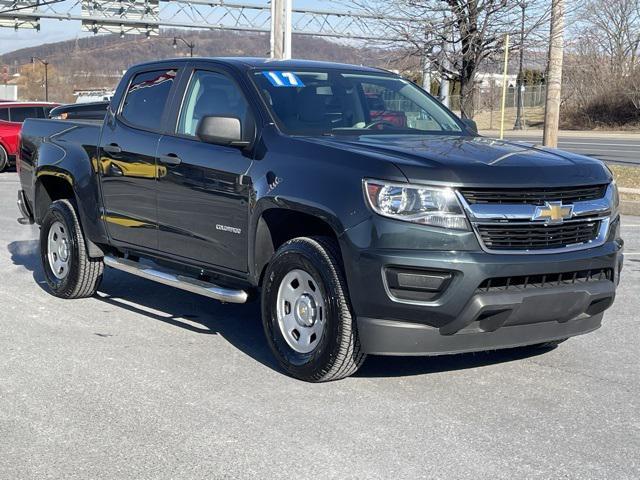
475	161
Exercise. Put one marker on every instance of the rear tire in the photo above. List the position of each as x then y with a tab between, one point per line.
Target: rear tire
4	159
306	312
69	271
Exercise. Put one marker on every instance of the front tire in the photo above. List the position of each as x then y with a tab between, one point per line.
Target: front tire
306	312
69	271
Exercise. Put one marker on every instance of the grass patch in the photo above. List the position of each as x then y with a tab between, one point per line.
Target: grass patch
533	118
627	177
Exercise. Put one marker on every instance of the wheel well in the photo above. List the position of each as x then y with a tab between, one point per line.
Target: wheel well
49	190
278	226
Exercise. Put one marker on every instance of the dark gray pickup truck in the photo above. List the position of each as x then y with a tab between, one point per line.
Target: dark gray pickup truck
366	217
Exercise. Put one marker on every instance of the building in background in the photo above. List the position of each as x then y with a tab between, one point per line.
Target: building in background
8	92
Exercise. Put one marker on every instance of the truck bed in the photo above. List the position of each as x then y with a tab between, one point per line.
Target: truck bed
54	142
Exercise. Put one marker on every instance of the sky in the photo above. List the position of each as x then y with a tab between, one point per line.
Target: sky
56	30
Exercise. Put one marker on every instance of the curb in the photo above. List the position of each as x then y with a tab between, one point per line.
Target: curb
630	207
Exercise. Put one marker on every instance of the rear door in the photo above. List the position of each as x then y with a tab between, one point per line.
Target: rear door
202	189
127	162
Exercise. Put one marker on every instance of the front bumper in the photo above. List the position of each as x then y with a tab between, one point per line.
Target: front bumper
514	319
466	318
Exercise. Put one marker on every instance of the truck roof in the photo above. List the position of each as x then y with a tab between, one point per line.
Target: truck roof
246	63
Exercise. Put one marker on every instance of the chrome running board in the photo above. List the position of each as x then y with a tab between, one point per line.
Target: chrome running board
188	284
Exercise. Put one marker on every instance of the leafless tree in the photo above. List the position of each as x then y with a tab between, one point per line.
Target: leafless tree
457	36
602	71
614	26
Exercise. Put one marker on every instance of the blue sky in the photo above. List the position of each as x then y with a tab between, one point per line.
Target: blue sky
55	30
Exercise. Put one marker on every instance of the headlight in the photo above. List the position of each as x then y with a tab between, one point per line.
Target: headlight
615	197
434	206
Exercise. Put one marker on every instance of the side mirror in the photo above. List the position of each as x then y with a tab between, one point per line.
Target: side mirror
470	124
221	131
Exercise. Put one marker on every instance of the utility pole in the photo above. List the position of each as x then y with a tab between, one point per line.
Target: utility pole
46	75
426	71
554	75
281	20
445	99
520	81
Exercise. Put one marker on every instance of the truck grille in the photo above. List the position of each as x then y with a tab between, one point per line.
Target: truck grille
537	196
545	281
537	236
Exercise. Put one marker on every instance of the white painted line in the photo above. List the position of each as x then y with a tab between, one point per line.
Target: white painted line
627	254
561	142
608	150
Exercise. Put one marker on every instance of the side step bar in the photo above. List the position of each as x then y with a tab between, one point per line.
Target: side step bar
189	284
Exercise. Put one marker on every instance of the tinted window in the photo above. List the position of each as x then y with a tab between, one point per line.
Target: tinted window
20	114
147	97
333	102
4	114
210	93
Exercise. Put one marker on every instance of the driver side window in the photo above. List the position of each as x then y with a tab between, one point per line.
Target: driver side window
210	94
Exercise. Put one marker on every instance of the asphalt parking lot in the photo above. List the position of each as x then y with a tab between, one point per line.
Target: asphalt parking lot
143	381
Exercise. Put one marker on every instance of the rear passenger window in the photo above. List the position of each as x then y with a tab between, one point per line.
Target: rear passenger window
4	114
147	97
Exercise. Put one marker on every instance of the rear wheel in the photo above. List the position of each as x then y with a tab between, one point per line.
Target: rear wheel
4	159
306	312
69	271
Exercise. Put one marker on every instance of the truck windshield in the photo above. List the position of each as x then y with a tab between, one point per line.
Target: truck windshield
333	101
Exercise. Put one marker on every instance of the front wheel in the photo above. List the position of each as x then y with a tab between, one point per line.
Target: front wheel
306	312
69	271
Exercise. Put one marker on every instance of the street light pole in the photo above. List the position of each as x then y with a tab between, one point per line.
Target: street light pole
520	80
190	45
46	76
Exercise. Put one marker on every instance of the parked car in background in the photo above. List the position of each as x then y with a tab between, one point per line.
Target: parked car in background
80	111
12	114
382	115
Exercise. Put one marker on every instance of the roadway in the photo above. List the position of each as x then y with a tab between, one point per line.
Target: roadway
613	148
143	381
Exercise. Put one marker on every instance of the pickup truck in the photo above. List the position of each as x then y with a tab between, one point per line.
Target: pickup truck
242	178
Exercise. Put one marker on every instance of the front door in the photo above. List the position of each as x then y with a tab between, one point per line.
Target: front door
127	163
202	191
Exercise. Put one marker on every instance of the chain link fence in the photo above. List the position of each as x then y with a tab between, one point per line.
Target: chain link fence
488	105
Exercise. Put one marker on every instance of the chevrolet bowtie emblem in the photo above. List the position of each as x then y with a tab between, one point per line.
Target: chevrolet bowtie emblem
553	212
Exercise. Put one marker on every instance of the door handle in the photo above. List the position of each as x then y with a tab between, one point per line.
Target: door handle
170	159
112	148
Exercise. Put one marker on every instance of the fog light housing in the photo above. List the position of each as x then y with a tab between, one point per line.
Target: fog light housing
416	285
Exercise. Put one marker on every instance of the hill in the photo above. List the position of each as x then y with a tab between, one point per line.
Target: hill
96	62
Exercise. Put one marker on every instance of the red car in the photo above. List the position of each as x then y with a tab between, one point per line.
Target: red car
12	114
379	113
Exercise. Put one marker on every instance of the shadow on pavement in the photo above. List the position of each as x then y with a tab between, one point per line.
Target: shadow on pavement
27	254
378	366
240	325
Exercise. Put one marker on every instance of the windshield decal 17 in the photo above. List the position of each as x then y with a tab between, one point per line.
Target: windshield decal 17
283	79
